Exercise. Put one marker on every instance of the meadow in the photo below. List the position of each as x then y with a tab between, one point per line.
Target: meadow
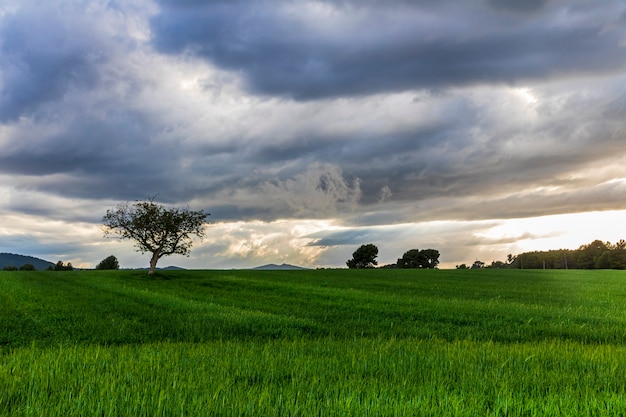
313	343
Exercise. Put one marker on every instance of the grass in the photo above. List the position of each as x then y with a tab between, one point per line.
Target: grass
324	343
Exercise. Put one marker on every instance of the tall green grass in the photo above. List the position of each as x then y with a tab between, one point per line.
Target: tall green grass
373	377
329	343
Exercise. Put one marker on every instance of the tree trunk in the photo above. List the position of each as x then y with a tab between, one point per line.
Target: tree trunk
153	262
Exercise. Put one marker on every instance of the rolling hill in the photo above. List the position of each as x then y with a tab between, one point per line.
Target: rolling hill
12	259
274	267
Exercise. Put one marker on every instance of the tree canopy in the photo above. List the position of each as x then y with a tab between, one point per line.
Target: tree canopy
415	258
594	255
364	257
155	229
60	266
110	262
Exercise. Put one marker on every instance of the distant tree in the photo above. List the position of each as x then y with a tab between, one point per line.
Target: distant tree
109	262
595	255
621	245
66	267
603	261
613	258
60	266
364	257
28	267
478	264
431	258
415	258
412	258
155	229
590	254
9	268
462	266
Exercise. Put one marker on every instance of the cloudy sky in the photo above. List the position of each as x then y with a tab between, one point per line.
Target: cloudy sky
307	128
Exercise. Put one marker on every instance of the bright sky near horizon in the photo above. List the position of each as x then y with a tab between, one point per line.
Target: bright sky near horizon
476	127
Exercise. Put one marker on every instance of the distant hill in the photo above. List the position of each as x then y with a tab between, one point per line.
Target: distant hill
12	259
274	267
167	268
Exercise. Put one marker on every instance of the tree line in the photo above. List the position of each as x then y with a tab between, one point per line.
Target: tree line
594	255
365	257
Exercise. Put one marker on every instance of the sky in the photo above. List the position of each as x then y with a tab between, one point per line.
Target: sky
479	128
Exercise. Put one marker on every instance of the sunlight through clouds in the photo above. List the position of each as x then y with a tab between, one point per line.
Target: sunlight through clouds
257	243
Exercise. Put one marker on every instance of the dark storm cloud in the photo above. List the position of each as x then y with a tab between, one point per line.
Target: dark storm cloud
70	101
347	237
448	157
462	167
44	54
90	158
107	147
372	47
523	6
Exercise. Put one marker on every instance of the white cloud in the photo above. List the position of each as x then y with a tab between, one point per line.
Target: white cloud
318	192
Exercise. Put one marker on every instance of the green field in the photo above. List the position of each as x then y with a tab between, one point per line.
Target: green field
313	343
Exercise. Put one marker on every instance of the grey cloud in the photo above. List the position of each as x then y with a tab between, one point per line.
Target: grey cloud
90	158
319	192
524	6
438	170
474	240
522	204
278	56
44	54
616	109
384	194
344	237
443	171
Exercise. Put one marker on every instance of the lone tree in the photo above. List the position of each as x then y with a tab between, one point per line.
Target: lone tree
155	229
110	262
364	257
